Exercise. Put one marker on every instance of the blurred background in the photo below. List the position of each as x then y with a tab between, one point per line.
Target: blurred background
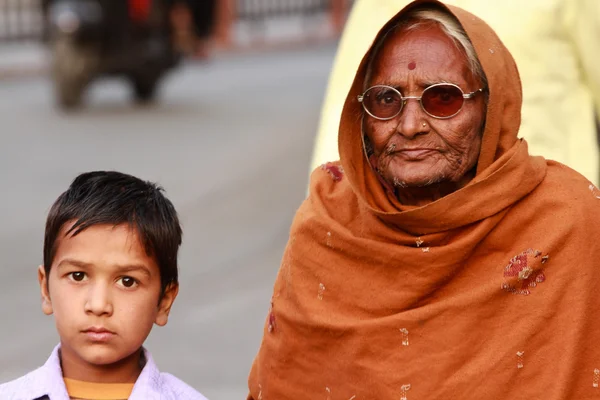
220	108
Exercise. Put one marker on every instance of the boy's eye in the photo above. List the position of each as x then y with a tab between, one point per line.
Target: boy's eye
77	276
127	282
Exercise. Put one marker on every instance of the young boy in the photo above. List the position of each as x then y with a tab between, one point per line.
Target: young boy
109	274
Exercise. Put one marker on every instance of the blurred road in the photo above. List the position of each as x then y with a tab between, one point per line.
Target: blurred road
230	141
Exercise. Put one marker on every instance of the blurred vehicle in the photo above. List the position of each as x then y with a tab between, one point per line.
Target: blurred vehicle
94	38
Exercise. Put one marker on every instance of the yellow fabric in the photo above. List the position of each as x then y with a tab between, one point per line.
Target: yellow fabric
98	391
556	44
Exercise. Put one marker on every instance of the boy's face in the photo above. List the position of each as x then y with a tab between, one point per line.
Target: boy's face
104	292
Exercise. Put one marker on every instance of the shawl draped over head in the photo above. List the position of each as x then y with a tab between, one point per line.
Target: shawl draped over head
491	292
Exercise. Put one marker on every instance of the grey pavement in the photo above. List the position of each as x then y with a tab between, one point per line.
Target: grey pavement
230	141
22	59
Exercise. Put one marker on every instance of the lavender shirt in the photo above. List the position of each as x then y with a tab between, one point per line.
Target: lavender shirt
48	381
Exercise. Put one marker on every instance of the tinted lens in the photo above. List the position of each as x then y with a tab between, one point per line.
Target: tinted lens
382	102
442	100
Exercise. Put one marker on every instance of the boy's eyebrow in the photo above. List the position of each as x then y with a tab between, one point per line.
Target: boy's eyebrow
71	261
134	267
121	268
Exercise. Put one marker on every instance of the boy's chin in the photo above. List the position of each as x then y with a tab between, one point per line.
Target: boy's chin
104	355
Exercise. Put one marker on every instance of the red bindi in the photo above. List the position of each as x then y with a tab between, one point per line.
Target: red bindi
412	65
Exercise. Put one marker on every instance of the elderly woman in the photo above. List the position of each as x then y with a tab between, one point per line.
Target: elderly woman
556	46
439	260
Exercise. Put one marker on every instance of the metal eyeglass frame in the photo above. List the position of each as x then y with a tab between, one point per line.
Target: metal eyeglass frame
470	95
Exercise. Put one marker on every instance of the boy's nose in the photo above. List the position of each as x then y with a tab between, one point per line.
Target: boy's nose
98	301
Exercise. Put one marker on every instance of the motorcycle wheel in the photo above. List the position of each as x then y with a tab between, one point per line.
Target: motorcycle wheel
145	88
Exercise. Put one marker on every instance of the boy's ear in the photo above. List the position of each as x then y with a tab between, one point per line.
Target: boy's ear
164	307
46	302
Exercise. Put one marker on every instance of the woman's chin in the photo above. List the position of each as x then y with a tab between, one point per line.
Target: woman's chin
414	180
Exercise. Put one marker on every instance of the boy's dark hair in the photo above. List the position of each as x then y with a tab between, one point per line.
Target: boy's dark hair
108	197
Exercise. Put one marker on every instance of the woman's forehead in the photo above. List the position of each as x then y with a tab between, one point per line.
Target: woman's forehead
424	55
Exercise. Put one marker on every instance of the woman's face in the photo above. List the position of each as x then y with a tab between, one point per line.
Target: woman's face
414	149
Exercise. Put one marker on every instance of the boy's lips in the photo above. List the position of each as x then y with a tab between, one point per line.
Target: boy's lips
98	334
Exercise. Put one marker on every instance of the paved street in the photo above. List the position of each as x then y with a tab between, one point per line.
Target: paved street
230	141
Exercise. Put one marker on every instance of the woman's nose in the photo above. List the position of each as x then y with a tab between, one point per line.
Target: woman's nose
411	121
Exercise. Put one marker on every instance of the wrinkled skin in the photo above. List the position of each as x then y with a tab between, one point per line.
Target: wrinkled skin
425	158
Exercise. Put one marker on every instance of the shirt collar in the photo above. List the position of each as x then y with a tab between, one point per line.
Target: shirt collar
48	380
149	383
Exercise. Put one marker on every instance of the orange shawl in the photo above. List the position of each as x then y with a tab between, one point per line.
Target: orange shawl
488	293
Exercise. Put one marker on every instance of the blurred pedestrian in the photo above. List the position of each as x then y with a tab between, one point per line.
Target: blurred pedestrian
194	25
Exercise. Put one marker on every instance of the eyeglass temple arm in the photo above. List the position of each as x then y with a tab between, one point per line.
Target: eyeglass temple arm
469	95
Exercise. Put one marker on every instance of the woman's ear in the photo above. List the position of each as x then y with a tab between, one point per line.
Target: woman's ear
43	280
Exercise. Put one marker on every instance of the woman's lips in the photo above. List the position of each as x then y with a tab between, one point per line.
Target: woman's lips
415	154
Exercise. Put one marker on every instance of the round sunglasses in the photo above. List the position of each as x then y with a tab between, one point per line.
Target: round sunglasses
442	100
